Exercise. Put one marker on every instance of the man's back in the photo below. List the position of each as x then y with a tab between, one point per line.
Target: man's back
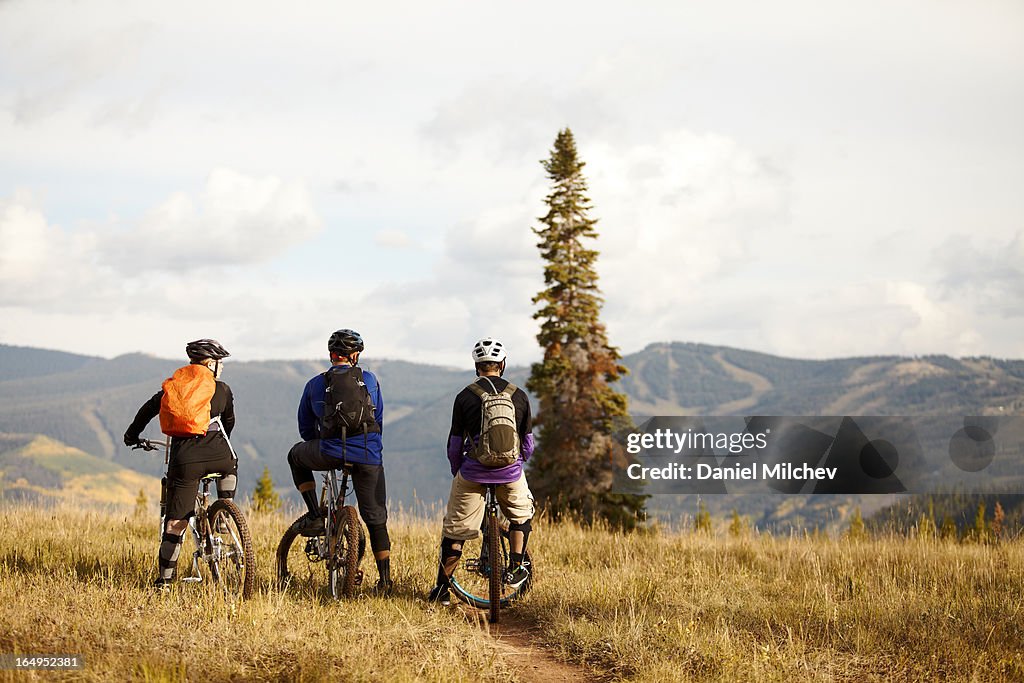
359	448
466	417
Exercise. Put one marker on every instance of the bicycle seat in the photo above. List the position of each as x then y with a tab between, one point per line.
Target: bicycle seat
213	476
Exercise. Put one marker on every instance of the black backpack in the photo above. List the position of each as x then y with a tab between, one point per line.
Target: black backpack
348	408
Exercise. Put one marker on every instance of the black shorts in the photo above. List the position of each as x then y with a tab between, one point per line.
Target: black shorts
367	480
183	483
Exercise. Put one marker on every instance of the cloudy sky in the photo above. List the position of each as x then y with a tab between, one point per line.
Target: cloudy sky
811	179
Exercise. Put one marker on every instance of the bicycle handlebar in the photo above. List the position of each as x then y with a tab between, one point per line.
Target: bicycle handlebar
146	445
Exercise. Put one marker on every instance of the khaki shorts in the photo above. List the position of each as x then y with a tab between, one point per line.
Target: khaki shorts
465	511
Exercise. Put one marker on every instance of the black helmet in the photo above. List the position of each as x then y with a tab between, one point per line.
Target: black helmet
345	343
201	349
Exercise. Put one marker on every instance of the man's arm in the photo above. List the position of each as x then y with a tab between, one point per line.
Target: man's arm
147	412
227	416
455	434
526	428
306	417
378	405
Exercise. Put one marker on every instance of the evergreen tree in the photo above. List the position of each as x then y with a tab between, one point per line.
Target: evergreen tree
141	503
947	531
980	531
264	497
737	526
576	458
702	522
857	531
998	522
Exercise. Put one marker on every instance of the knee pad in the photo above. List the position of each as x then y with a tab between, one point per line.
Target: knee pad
447	549
226	486
379	539
525	527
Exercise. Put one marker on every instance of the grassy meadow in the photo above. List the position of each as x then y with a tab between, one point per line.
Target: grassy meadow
653	606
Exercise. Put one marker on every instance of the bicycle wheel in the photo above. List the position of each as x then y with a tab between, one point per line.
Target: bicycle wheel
347	552
499	560
233	559
473	584
301	562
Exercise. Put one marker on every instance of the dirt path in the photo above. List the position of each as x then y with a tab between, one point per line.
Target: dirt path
533	662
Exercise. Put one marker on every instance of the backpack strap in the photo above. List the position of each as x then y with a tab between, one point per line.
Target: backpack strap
480	391
223	432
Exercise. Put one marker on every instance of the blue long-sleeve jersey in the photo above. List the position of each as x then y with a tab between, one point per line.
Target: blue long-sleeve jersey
368	449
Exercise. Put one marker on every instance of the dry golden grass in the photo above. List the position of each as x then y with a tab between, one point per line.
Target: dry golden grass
650	606
78	583
695	607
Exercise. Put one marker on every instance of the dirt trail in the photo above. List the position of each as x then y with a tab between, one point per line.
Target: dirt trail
532	661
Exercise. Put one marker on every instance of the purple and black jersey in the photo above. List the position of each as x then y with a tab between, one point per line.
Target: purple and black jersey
466	415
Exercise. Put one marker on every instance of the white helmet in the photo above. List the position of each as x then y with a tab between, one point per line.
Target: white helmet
488	349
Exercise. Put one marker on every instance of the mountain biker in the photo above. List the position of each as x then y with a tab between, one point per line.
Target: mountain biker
192	457
362	450
465	510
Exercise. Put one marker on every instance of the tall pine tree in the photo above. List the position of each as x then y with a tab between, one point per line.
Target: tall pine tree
572	470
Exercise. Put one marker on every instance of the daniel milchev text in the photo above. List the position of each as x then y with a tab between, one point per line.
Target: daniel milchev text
749	471
694	442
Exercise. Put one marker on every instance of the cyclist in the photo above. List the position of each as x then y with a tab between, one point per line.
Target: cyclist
362	449
465	510
192	457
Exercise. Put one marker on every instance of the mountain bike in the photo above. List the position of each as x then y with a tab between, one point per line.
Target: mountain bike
331	559
482	585
224	553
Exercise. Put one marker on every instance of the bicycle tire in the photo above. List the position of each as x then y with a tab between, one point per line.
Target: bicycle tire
345	570
235	570
472	590
295	570
497	559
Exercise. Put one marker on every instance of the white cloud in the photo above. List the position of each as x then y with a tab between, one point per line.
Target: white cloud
41	263
236	220
394	239
749	176
989	277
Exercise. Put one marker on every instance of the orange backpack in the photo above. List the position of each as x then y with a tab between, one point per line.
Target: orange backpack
185	405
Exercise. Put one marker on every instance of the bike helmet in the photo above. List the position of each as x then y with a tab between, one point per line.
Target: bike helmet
345	342
201	349
488	349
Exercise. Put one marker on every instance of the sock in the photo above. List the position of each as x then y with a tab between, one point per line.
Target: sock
312	502
448	553
384	569
442	578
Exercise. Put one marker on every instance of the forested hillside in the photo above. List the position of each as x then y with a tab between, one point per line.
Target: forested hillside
86	403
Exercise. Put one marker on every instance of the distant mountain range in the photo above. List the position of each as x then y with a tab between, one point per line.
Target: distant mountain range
86	403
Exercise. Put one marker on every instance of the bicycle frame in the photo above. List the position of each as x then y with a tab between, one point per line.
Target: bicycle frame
228	546
208	545
318	547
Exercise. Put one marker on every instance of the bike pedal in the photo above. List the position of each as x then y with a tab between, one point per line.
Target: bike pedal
192	579
472	565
